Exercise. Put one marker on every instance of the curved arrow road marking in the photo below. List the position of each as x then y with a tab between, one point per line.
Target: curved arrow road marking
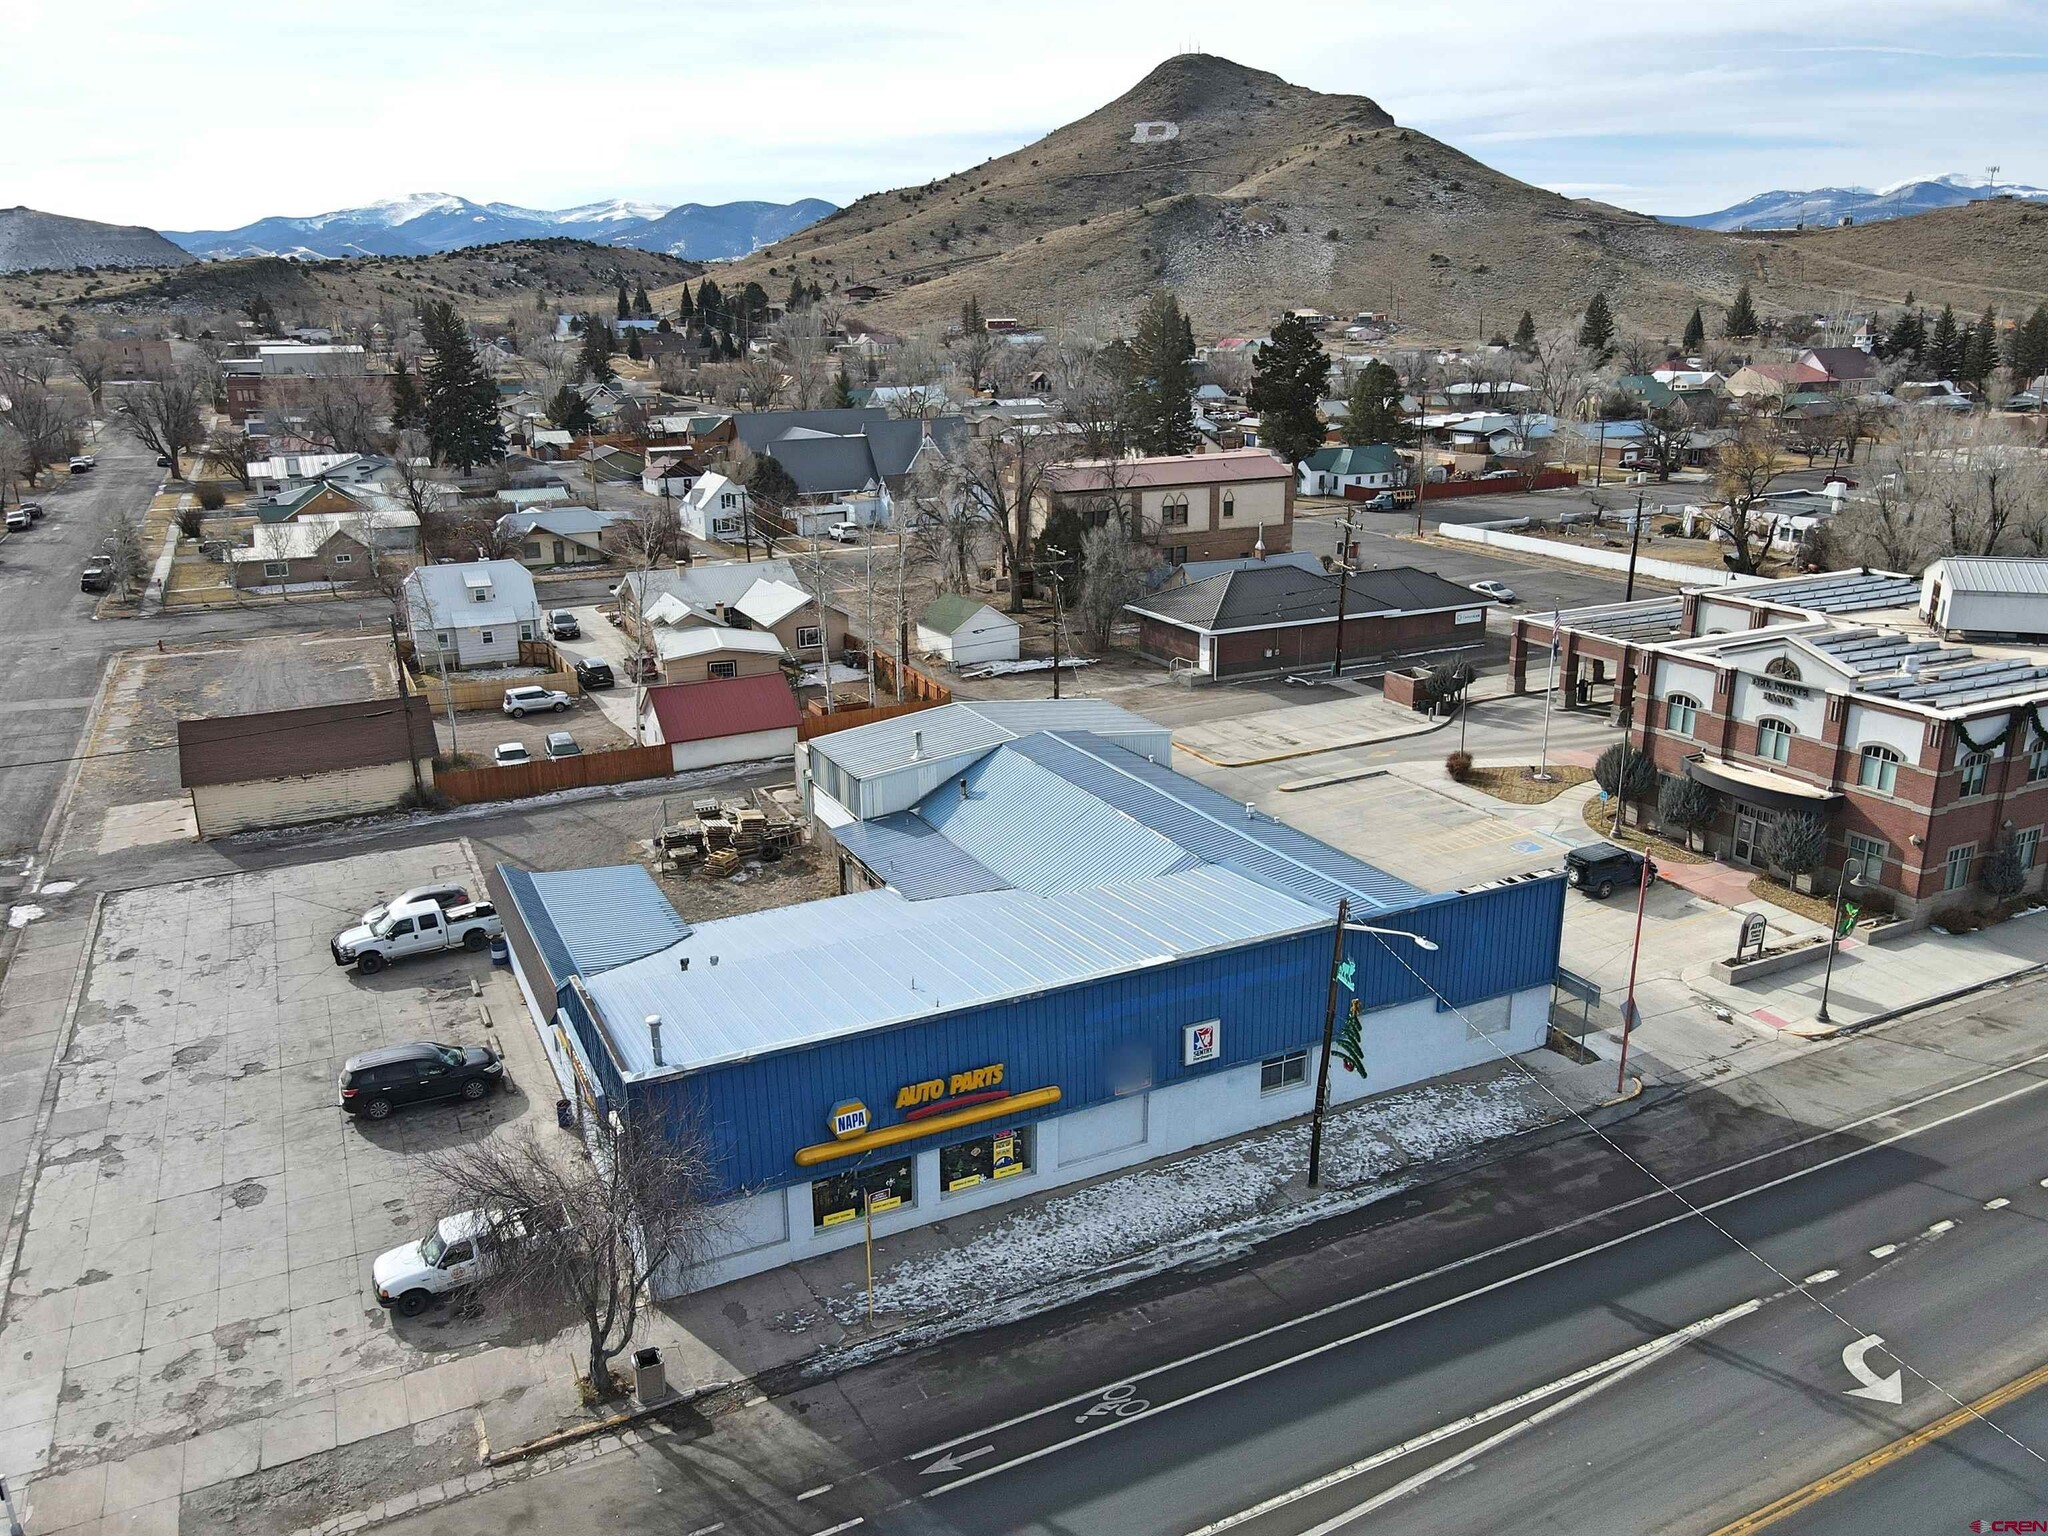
1879	1389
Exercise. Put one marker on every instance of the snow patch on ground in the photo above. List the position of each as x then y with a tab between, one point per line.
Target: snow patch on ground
57	888
1200	1208
22	916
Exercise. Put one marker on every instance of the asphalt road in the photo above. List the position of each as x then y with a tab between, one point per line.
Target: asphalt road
1551	1343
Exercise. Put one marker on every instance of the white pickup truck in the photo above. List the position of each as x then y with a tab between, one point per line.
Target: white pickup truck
460	1251
410	928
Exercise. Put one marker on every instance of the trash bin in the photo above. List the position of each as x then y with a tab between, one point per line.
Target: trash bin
565	1115
650	1376
501	951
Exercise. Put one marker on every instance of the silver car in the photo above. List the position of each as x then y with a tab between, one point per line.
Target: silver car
521	702
562	744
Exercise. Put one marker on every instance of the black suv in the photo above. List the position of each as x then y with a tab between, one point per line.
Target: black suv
377	1082
1599	868
98	575
594	674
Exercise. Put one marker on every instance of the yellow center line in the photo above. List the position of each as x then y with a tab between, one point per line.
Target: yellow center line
1835	1481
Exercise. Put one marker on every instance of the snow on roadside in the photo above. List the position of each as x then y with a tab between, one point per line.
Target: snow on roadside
1198	1208
22	916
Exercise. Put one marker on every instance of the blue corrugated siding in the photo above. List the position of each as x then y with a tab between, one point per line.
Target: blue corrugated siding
1121	1034
596	1049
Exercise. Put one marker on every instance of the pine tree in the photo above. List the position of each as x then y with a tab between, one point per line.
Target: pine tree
405	399
1980	348
816	293
1945	345
1695	333
595	360
797	297
1372	407
633	348
1160	389
711	304
2027	349
685	309
1907	338
642	305
1525	334
841	398
570	411
970	317
1741	318
625	304
1288	379
1596	330
460	403
727	347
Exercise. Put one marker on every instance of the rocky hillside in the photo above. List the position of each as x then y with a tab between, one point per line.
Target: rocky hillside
1248	195
33	241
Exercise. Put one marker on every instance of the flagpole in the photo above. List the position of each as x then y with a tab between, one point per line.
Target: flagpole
1549	692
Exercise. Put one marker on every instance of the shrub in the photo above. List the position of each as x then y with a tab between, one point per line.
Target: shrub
1459	766
1625	773
2002	875
211	497
1684	805
191	522
1796	843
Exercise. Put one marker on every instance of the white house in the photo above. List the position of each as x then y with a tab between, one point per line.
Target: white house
963	631
714	508
473	614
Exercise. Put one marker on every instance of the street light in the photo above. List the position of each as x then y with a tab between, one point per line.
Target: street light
1853	871
1337	979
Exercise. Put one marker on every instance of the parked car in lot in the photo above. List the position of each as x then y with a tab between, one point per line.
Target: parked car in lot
460	1250
845	533
593	674
562	625
98	575
1499	591
510	754
521	702
415	928
447	896
1502	474
81	463
34	509
18	521
392	1076
561	744
1599	869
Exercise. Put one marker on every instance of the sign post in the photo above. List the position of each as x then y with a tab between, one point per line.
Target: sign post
1750	935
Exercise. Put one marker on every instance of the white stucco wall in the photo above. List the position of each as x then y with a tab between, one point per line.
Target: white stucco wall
751	747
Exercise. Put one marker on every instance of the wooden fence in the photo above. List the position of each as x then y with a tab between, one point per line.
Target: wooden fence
915	684
819	724
622	765
489	693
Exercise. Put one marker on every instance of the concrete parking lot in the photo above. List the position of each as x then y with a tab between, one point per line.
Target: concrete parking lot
191	1301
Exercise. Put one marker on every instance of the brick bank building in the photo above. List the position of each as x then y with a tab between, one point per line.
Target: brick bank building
1848	696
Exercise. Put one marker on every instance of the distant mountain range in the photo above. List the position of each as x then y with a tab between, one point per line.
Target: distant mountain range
1865	205
427	223
34	241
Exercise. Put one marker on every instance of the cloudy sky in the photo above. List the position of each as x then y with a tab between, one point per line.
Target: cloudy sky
210	113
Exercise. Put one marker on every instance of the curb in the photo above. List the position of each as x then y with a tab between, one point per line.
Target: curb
1940	999
1335	746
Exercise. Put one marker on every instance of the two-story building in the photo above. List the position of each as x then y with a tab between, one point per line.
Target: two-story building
1189	506
471	615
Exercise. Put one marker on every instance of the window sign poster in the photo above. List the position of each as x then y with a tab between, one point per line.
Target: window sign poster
1201	1043
1009	1158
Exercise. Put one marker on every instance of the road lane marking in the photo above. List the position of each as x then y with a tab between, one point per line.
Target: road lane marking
706	1530
1835	1481
1997	1205
1860	1150
845	1525
1940	1227
1884	1250
1614	1367
812	1493
1879	1389
1822	1277
953	1461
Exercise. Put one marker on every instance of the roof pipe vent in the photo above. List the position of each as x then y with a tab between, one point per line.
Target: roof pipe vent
917	746
1251	811
654	1037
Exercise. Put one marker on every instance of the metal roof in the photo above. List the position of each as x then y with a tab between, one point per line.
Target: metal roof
1834	592
823	970
1983	573
1215	828
1258	596
586	921
957	728
1941	676
1644	623
910	854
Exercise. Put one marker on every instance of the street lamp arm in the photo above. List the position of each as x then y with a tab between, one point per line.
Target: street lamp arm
1394	933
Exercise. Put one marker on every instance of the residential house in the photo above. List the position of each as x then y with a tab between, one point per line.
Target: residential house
1193	506
850	464
1774	381
1372	467
715	508
691	655
314	499
790	613
670	470
963	631
321	551
289	766
1266	620
1847	370
547	537
721	720
472	614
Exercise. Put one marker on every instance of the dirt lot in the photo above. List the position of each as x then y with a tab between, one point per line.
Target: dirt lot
128	792
478	731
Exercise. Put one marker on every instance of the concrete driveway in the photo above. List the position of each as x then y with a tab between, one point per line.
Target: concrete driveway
191	1300
604	641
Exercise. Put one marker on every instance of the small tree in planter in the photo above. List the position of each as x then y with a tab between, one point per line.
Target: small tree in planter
1446	685
1459	766
1796	843
1626	775
2002	877
1686	806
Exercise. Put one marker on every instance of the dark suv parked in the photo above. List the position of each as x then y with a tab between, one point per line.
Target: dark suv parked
1599	868
593	674
379	1081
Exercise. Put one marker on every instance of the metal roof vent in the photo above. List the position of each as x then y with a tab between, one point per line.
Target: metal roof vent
1251	812
963	789
654	1037
916	746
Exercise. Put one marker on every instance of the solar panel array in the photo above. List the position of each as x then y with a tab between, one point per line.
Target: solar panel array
1943	676
1641	623
1837	591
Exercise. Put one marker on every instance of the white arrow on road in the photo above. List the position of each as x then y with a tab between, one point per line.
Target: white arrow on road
1879	1389
953	1461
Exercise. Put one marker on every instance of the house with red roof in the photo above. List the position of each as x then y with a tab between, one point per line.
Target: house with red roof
721	720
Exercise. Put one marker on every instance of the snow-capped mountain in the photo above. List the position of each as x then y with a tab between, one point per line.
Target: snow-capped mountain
1831	205
426	222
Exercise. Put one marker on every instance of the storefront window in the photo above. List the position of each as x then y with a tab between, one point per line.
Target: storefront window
885	1186
1000	1156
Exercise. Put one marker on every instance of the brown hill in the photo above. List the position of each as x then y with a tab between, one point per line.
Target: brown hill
1262	196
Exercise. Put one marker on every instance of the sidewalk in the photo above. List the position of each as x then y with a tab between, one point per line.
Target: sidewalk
1359	717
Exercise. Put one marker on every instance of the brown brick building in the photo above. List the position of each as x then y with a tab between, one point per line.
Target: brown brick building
1189	506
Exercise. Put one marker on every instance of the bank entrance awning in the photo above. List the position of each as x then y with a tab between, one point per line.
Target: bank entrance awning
1759	786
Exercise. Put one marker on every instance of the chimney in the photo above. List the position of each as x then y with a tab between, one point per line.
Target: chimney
917	746
1259	549
654	1036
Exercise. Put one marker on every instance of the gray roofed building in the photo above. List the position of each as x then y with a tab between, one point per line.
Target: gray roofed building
1262	594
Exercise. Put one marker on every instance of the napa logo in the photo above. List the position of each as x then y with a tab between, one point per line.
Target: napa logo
849	1118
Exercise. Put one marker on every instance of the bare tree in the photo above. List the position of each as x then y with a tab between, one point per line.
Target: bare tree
161	412
90	360
973	355
585	1232
1112	574
343	413
761	379
121	542
431	500
1004	474
1557	371
226	454
1743	471
39	419
945	529
806	347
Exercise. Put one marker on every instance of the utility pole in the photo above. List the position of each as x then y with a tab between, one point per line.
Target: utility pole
1315	1130
1059	558
1635	534
412	756
1343	590
868	542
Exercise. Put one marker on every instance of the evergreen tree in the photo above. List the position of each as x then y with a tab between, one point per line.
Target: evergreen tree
1288	379
1525	334
570	411
2027	349
970	317
817	293
633	348
1372	407
595	360
1945	345
459	405
727	347
1160	389
1907	338
405	399
797	297
841	398
711	304
662	327
1741	319
625	304
1596	330
685	309
1980	348
1695	333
